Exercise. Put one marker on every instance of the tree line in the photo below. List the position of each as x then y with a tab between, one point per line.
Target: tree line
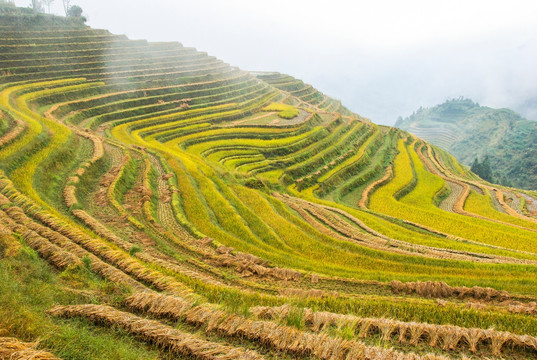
483	169
70	10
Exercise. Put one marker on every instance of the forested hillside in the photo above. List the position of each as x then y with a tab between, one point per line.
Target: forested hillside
158	203
469	132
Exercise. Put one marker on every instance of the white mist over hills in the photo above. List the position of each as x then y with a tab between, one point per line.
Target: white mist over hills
382	59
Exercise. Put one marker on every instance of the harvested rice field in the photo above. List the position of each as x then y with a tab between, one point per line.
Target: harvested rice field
158	203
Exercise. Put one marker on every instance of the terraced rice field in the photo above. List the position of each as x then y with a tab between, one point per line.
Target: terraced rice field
167	209
444	136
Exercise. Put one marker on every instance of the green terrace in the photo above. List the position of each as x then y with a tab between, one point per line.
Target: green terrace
136	175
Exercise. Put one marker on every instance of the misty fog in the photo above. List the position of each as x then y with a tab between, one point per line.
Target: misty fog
382	60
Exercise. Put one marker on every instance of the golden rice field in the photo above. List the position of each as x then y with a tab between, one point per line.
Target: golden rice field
158	203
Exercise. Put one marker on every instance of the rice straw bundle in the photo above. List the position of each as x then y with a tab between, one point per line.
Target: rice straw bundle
164	336
13	349
448	337
269	334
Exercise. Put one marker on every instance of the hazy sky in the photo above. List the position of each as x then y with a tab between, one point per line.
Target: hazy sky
381	58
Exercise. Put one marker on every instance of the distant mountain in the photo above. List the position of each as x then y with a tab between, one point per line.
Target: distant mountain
470	131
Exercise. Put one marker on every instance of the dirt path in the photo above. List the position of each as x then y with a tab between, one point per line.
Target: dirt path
164	209
448	203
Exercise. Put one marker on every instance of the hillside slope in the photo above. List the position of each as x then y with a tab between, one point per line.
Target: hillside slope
158	203
303	93
469	131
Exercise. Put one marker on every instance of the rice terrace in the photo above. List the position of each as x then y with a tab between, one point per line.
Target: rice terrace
159	203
